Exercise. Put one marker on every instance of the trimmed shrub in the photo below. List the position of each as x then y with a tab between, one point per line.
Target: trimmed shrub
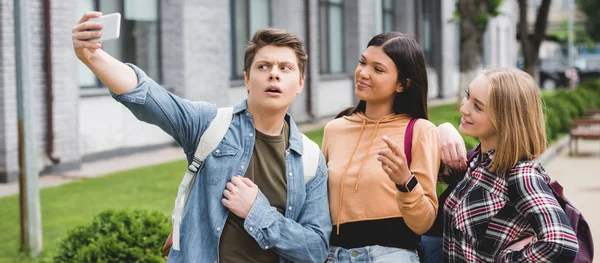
117	236
562	101
562	106
577	100
561	109
553	123
592	98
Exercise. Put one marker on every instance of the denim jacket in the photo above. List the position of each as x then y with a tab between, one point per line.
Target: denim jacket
301	235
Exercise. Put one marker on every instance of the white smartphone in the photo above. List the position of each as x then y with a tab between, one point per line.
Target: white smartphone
111	27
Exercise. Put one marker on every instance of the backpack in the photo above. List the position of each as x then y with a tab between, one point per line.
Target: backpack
579	224
208	142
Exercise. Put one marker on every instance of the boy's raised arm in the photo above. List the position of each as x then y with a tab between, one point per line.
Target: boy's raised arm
118	77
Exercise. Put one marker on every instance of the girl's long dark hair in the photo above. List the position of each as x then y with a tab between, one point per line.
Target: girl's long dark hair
412	74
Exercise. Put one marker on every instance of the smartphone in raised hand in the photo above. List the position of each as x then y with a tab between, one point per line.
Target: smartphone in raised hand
111	27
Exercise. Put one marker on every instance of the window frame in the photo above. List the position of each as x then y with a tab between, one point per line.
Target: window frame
391	12
91	90
427	32
234	75
326	70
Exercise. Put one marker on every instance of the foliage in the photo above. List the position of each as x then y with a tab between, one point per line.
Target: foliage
117	236
562	106
591	8
580	34
482	18
75	204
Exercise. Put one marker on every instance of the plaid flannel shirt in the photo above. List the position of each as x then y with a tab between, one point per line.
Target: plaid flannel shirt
487	212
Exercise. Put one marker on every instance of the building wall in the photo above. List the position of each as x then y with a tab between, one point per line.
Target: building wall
332	96
330	93
196	64
406	17
8	96
66	92
64	85
107	127
206	50
500	42
450	54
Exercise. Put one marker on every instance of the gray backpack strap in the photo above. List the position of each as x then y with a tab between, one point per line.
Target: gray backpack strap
208	142
310	158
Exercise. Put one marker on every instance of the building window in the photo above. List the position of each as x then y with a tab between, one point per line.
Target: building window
426	33
247	16
387	11
331	36
139	41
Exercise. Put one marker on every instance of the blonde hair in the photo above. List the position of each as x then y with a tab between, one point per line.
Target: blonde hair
517	117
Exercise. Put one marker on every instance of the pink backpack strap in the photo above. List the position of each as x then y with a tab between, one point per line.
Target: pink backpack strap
408	135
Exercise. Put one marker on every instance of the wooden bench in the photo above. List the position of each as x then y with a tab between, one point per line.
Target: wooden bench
592	112
583	128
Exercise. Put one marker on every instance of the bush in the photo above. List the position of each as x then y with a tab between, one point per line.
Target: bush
593	98
553	106
576	100
562	106
593	86
572	104
553	123
117	236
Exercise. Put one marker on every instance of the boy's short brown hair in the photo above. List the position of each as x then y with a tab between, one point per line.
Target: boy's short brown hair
275	37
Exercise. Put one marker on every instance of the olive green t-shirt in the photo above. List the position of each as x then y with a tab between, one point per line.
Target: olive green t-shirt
267	169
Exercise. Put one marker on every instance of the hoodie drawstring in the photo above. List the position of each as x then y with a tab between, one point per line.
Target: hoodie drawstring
364	160
340	207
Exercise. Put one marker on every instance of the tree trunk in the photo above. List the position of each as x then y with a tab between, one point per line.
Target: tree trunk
466	77
470	44
530	44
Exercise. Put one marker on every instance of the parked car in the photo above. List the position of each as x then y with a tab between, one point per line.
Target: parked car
589	68
554	73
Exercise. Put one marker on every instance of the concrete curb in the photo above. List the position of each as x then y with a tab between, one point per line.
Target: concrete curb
554	150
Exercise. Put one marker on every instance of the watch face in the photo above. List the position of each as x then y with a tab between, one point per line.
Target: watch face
409	185
412	183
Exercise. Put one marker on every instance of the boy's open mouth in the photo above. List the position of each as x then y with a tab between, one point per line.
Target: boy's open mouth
273	89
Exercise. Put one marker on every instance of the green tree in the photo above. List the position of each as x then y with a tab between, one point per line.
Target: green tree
580	34
474	16
591	9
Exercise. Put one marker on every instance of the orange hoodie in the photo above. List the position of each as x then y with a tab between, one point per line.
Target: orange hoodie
359	189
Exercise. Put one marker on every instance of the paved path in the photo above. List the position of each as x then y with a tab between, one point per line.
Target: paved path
102	167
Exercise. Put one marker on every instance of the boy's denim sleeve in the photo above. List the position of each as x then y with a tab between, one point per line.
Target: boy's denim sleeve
303	240
184	120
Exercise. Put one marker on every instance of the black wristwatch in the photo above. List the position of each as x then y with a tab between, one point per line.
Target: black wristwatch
409	186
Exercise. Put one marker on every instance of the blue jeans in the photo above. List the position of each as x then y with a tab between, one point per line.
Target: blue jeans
372	254
432	249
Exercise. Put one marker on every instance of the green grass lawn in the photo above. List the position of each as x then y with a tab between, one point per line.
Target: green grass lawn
74	204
